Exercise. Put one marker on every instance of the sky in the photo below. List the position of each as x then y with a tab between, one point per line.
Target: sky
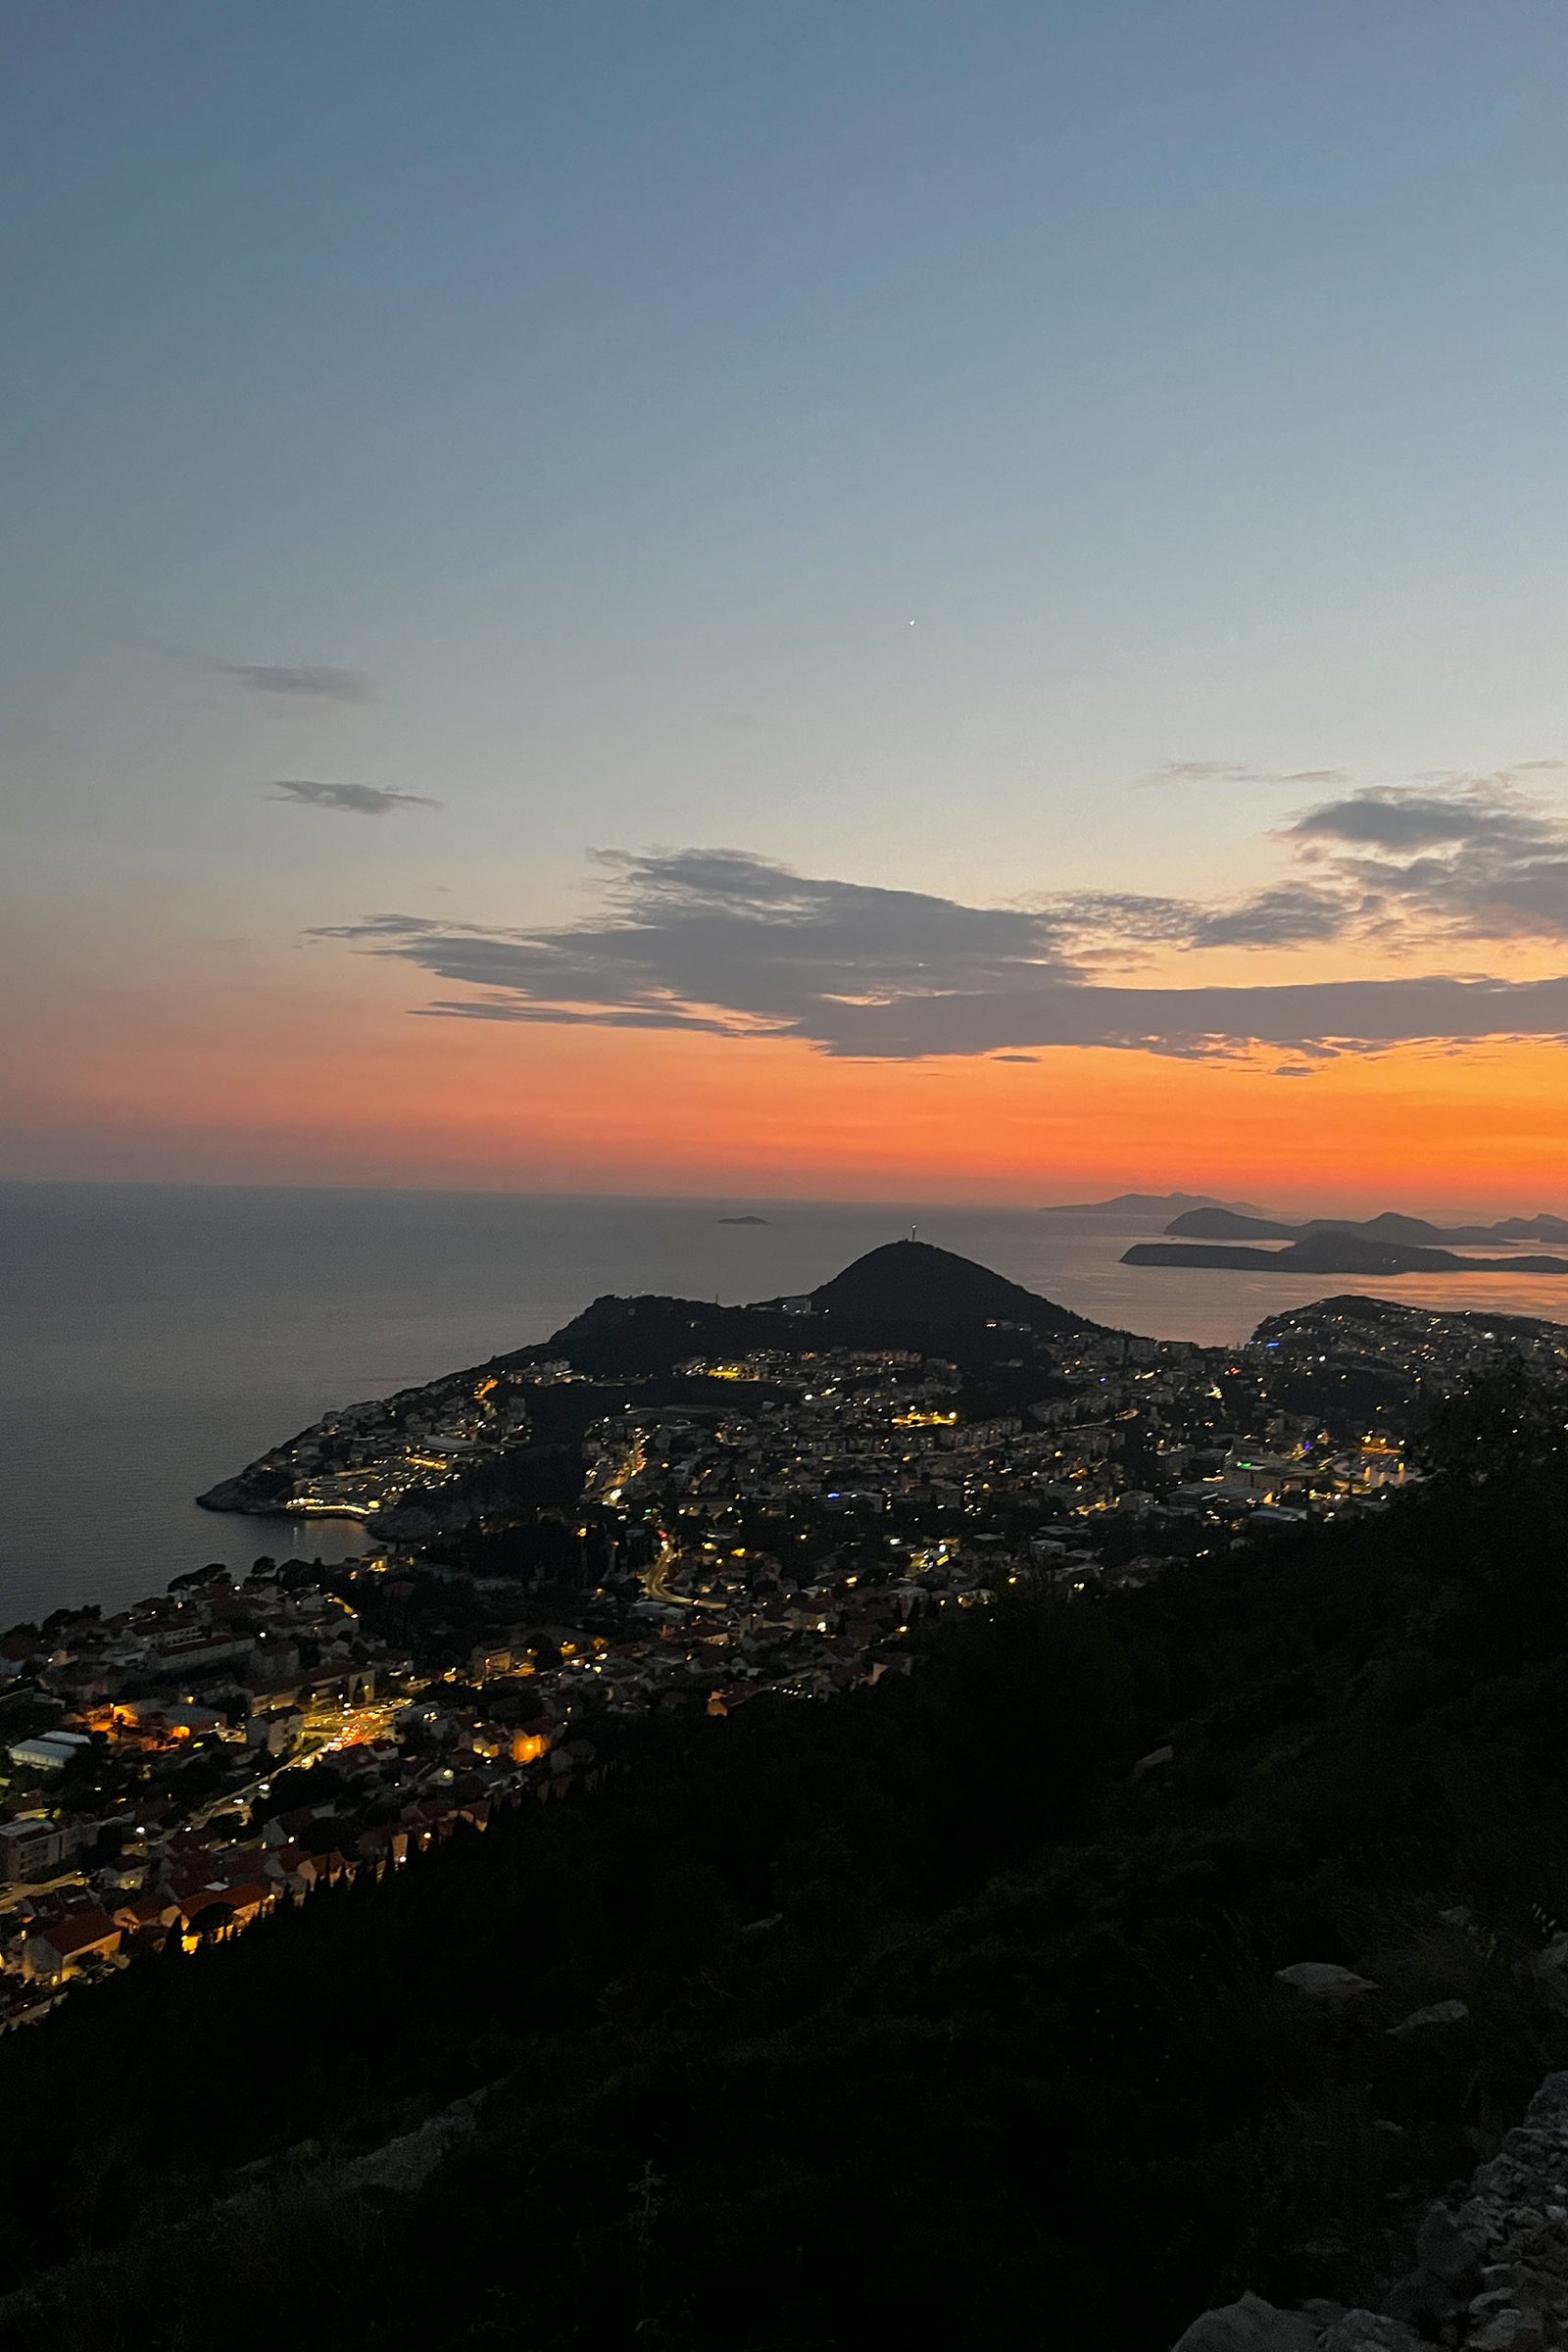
896	599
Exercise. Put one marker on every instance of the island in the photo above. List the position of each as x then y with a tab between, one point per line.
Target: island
1214	1223
1333	1250
1149	1204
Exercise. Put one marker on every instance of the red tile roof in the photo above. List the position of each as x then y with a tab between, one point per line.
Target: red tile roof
76	1934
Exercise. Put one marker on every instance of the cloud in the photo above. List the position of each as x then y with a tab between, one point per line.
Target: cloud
730	945
300	679
1106	923
1478	858
1234	771
355	799
1388	818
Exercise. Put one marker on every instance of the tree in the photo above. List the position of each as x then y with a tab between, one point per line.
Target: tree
1506	1422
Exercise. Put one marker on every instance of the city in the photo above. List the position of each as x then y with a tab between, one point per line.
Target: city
791	1520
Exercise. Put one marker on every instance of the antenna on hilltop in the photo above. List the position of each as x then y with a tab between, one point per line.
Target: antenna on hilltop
914	1230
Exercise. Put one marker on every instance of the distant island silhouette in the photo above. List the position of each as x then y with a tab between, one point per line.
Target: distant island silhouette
1212	1221
1144	1205
743	1220
1376	1246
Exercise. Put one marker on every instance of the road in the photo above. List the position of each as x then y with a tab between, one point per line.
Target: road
656	1579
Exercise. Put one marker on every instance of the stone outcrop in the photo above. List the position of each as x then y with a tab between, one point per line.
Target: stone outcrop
1491	2269
1421	2021
406	2164
1250	2325
1323	1981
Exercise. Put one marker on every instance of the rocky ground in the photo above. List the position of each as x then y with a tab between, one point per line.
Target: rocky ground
1490	2270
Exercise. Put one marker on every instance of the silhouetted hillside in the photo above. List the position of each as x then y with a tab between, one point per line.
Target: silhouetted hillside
1333	1250
904	1285
902	1295
1221	1224
1142	1204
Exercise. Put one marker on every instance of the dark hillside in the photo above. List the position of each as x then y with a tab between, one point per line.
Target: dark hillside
912	1284
926	2012
904	1294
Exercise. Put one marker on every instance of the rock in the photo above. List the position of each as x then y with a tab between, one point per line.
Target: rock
1446	2250
1425	2302
1509	2331
1550	2103
1250	2325
1323	1981
1369	2331
1440	2013
1156	1761
1458	1917
1552	1968
406	2164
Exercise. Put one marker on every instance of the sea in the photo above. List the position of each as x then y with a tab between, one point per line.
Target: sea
156	1337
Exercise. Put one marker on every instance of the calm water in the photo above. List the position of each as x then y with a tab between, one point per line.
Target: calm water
153	1339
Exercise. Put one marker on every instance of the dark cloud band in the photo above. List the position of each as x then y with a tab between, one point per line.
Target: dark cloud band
724	943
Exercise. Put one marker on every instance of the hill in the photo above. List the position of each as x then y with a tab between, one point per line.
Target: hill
902	1295
907	1285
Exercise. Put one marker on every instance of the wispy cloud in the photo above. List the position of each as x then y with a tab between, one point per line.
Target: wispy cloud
1235	771
1102	925
300	679
352	799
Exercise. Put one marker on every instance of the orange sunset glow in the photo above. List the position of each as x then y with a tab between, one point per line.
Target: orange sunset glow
231	1091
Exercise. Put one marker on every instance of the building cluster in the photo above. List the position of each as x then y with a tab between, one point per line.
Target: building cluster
368	1458
1397	1353
1117	1456
137	1791
783	1521
182	1768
